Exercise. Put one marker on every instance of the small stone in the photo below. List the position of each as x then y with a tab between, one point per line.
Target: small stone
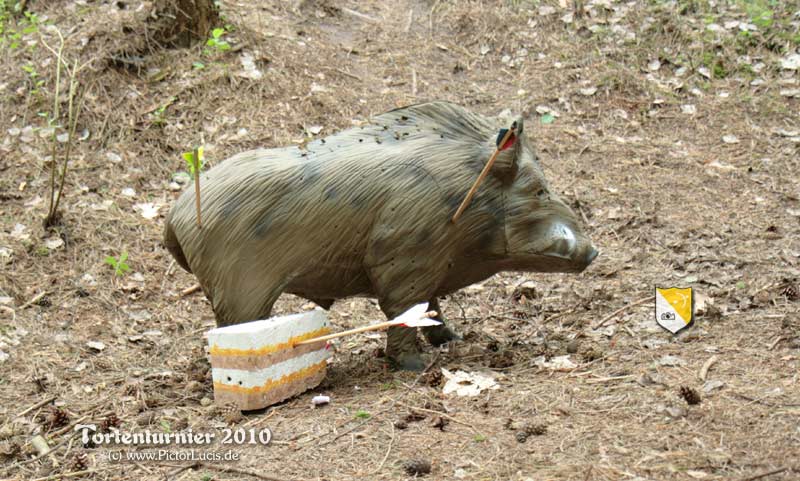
712	385
671	361
676	412
54	243
730	139
791	62
146	418
572	346
546	10
182	178
206	401
96	346
6	255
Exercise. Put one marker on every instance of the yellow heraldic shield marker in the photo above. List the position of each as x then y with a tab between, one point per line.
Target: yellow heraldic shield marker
674	307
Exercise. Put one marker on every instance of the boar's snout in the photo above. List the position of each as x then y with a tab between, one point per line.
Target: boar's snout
574	249
549	239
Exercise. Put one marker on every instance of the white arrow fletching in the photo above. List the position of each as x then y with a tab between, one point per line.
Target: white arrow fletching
424	322
414	316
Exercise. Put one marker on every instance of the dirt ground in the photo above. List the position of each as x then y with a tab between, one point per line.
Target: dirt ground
671	127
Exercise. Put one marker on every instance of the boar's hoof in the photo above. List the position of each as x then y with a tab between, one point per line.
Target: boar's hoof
408	361
438	335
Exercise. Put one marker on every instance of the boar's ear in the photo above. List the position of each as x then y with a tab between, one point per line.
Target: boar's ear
505	166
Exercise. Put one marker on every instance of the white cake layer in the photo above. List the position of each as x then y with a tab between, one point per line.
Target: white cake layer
260	377
275	330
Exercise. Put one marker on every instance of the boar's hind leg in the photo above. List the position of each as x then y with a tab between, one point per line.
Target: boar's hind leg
438	335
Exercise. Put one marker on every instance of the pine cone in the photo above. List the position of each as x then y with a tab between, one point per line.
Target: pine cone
57	418
433	378
790	291
536	429
80	462
417	467
231	413
181	424
690	395
112	421
8	450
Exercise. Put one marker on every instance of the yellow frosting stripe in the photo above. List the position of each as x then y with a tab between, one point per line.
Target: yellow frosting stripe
273	383
230	351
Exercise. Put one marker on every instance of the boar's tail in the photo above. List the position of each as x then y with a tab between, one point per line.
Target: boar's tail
173	246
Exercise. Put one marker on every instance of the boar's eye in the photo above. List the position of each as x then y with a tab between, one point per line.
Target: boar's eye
542	194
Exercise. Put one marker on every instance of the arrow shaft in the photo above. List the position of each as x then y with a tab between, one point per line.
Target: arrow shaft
480	178
373	327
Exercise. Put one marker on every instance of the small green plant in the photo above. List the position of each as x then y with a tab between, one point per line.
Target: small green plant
191	161
119	265
59	165
361	414
547	118
198	65
479	438
33	75
216	43
206	477
159	114
759	12
13	33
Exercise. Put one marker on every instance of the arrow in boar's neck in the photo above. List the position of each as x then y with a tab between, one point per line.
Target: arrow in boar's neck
501	145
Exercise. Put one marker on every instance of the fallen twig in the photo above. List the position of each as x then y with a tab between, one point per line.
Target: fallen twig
190	290
386	456
764	475
229	469
444	415
620	310
560	314
704	370
75	474
34	300
37	406
607	379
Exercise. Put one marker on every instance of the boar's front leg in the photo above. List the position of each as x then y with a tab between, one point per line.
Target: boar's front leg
403	350
438	335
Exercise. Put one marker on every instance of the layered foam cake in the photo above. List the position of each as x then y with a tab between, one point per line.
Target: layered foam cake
255	365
